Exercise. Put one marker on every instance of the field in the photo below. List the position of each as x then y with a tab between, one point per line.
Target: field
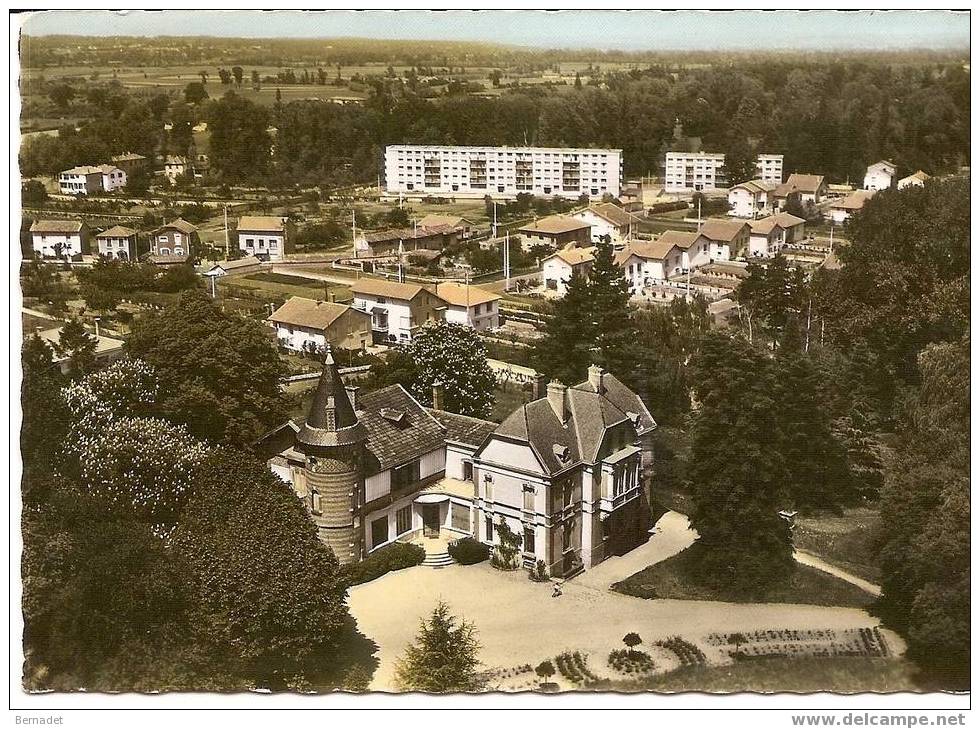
674	579
258	286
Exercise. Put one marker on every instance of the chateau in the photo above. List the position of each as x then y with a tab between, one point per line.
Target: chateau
568	471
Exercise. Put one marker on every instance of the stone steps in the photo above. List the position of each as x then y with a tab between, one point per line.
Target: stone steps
437	560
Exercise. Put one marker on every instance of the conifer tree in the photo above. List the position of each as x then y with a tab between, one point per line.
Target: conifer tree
443	658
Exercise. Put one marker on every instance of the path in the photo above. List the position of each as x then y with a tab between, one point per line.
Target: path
812	560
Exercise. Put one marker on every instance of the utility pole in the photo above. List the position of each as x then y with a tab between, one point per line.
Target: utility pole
809	309
226	233
699	213
353	230
507	262
401	252
494	219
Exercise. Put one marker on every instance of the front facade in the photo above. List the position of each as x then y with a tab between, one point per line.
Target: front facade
686	172
751	199
880	175
810	188
113	178
470	305
305	325
769	167
557	231
770	235
117	242
175	238
566	471
502	172
130	162
842	210
916	179
84	180
607	220
558	268
397	310
265	237
59	238
176	166
724	237
646	263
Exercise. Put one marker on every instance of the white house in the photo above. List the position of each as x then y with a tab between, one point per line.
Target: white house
558	268
470	305
880	175
770	235
841	210
751	199
649	262
175	166
916	179
305	325
810	188
117	242
113	178
84	180
397	310
722	238
695	249
236	267
59	238
265	237
607	219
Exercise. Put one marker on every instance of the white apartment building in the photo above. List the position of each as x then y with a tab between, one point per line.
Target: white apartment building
502	172
696	171
769	168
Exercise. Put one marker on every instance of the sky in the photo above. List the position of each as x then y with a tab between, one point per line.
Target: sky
613	29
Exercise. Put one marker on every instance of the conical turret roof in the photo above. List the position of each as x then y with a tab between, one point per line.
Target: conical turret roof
331	420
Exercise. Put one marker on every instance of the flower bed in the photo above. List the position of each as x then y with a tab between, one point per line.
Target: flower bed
573	667
688	653
866	642
633	662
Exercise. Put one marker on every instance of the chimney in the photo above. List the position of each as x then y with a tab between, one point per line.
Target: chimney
539	387
96	327
596	373
438	396
352	394
557	399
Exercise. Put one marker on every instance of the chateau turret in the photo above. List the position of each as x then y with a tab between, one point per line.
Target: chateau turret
332	440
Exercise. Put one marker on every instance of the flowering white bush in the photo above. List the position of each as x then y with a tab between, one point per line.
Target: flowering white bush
124	388
145	464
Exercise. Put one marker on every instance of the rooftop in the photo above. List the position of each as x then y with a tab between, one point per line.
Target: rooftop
261	223
464	295
180	225
683	239
56	226
723	230
390	289
414	233
554	225
654	250
803	183
574	256
302	312
612	213
117	231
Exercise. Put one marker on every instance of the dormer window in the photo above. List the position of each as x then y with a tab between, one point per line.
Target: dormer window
560	451
394	416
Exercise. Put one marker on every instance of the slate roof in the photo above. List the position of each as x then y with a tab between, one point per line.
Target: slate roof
301	312
580	438
462	428
553	225
393	234
331	420
56	226
391	444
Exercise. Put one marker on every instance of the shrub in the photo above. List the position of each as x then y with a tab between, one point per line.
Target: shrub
666	207
395	556
688	653
631	661
469	551
539	573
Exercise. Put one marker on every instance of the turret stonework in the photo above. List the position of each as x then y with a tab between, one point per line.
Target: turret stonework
332	439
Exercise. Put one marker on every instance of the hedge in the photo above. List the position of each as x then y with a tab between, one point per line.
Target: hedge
469	551
395	556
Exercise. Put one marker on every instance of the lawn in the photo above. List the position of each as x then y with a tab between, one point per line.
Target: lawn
273	290
508	397
848	541
674	579
788	675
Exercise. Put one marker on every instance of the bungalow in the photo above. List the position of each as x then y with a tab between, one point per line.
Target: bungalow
558	268
649	262
724	237
751	199
397	310
841	210
268	238
470	305
811	188
107	349
609	220
462	227
84	180
770	235
117	242
113	178
59	238
557	231
371	244
880	175
305	325
916	179
176	238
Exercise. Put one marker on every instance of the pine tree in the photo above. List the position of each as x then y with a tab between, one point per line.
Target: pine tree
443	658
736	470
615	329
564	353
